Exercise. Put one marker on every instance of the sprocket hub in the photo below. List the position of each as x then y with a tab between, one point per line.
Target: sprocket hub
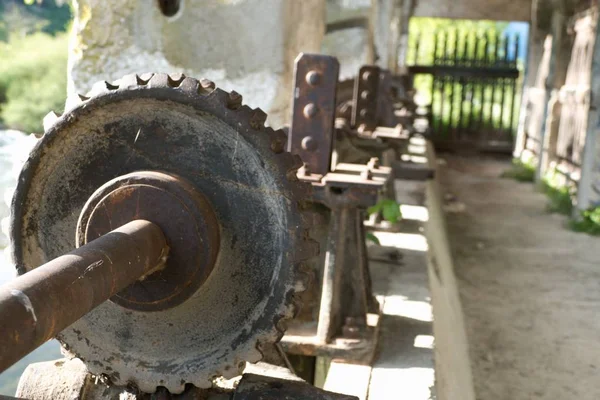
184	128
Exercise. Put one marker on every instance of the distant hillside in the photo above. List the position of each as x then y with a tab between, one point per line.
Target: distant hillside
17	18
33	62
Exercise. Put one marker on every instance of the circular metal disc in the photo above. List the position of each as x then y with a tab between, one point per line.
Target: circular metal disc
183	214
187	128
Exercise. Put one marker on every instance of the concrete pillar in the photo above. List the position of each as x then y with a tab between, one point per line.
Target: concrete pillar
387	15
406	13
559	62
394	40
363	32
541	12
588	192
350	34
246	45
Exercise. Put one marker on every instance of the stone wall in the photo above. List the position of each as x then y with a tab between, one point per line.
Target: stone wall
246	45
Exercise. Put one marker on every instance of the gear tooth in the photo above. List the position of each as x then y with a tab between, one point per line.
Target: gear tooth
206	87
128	81
218	95
307	249
82	97
207	84
279	141
298	163
257	119
50	119
173	388
234	100
282	325
306	278
174	80
97	88
189	85
202	383
159	80
230	371
112	86
144	78
254	355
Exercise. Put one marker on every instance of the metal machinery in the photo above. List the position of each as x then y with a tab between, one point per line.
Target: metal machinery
340	316
190	223
335	321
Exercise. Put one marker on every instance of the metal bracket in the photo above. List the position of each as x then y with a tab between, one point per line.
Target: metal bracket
366	88
311	132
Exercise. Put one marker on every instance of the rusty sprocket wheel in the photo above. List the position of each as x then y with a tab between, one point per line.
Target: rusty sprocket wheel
188	128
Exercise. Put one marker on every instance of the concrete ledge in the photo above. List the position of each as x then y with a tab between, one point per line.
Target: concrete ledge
454	380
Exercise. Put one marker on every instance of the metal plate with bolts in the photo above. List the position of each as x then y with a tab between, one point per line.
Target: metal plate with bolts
311	131
366	88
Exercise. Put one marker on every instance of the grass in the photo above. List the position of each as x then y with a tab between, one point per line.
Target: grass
559	199
588	223
520	171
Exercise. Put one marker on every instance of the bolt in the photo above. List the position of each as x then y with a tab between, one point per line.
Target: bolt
365	95
364	112
310	110
309	144
304	170
366	175
373	163
366	75
313	78
353	327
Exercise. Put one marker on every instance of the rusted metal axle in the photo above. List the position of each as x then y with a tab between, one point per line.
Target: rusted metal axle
38	305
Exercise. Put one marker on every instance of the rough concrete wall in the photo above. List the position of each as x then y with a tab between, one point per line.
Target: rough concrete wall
454	379
375	44
246	45
353	47
499	10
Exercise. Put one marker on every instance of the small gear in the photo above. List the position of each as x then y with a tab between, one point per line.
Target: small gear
184	128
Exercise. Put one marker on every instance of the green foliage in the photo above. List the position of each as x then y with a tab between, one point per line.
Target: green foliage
424	29
588	223
389	209
371	237
559	198
520	171
33	79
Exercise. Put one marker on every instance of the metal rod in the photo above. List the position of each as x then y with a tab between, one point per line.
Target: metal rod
38	305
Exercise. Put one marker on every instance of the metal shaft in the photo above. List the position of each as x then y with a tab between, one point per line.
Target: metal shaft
38	305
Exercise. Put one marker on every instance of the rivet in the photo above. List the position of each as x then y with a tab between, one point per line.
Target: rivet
310	110
309	144
313	78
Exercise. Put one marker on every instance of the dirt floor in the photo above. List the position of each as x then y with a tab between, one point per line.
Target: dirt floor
530	287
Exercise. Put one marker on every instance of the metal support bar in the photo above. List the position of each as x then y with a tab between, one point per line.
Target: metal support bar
38	305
